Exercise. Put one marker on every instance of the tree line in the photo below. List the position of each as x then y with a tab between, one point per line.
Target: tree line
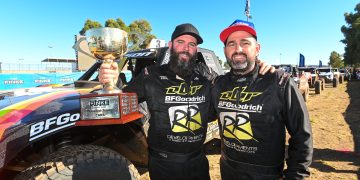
351	31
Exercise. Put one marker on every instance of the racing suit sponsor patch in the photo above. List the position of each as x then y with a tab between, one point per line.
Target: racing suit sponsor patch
244	96
185	118
237	126
182	89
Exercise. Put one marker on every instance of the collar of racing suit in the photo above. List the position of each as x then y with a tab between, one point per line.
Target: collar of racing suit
246	79
249	77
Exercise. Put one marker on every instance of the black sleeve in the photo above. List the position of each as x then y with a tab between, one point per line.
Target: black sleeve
137	85
213	115
297	122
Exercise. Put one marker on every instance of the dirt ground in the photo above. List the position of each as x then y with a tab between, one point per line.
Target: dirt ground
335	119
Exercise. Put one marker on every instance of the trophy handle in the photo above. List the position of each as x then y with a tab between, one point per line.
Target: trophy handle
77	47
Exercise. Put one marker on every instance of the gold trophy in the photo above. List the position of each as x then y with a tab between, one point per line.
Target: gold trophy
108	45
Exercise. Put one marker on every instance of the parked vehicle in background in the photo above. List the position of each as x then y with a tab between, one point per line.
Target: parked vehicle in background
299	77
329	75
357	74
345	73
307	74
315	81
338	74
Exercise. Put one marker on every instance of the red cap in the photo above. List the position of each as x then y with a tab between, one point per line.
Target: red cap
238	25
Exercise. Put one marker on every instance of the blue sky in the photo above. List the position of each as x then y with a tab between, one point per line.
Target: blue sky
285	28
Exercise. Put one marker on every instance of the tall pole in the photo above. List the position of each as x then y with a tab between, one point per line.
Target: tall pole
247	10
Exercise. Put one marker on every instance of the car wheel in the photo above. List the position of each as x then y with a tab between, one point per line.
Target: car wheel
322	83
81	162
341	79
335	82
318	87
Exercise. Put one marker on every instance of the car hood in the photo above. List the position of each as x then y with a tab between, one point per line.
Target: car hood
22	105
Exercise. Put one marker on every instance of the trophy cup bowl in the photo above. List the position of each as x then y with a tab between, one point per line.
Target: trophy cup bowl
109	105
107	45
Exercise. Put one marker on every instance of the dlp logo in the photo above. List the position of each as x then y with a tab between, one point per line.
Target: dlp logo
244	96
52	124
182	89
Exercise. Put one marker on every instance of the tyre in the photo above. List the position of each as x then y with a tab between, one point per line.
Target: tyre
81	162
318	87
322	83
311	82
335	82
341	79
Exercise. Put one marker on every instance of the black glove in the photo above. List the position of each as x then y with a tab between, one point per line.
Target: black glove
205	71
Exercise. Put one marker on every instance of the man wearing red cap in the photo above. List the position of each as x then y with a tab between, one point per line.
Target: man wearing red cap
254	112
178	97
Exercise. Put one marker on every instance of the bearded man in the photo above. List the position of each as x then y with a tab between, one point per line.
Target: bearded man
178	99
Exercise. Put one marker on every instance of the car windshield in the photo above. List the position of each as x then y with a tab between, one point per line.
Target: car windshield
324	70
285	68
311	70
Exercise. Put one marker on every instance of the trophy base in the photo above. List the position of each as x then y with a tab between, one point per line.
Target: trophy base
108	108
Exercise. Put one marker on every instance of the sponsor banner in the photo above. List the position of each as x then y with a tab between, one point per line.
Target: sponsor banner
14	81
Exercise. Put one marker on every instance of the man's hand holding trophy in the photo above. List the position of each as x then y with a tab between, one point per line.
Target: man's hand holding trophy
108	105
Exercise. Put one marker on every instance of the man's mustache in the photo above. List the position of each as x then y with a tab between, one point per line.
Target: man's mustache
238	53
185	53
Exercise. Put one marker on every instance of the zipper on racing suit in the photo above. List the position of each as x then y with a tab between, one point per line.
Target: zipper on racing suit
249	84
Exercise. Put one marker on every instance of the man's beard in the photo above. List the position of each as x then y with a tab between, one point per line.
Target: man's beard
240	67
180	67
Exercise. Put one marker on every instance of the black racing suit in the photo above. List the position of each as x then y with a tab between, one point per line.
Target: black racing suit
179	115
254	111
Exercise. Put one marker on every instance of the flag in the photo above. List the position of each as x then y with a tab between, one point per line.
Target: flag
320	63
302	61
247	8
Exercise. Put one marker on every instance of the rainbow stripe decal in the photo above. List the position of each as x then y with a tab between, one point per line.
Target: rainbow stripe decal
12	114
